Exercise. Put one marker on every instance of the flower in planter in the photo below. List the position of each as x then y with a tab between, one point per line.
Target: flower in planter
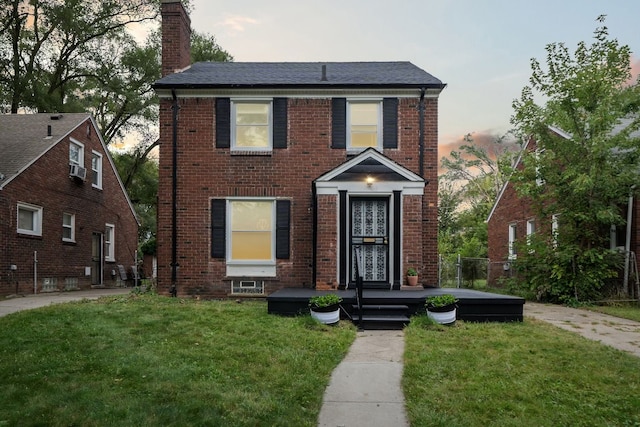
412	271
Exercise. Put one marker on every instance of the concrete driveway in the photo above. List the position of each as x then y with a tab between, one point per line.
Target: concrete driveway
613	331
18	303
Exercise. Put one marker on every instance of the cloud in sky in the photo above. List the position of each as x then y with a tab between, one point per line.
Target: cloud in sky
237	23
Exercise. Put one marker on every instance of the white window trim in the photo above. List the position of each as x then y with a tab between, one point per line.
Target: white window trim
72	227
80	154
110	250
512	241
97	185
234	103
37	220
377	101
259	268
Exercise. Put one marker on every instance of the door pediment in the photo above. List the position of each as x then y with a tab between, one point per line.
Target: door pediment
367	170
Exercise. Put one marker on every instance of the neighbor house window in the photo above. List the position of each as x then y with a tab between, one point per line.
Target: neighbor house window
252	236
512	241
251	125
555	226
76	153
109	242
29	219
68	227
531	228
364	125
96	169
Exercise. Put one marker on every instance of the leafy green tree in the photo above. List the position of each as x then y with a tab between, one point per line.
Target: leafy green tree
473	178
584	165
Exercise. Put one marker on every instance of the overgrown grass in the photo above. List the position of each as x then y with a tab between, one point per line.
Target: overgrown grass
516	374
151	361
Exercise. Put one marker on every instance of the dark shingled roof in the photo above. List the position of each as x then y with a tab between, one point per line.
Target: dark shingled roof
300	74
23	138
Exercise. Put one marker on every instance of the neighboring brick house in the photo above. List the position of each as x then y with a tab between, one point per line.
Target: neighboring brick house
512	218
283	168
65	219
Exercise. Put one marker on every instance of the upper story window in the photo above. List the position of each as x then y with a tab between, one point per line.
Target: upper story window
251	125
96	169
364	121
76	153
29	219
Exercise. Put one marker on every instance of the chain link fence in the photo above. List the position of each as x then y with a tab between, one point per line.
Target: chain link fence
455	271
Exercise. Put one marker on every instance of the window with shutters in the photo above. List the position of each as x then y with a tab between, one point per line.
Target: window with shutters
358	124
251	125
250	234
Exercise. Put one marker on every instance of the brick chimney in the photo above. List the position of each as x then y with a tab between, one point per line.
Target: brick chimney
176	37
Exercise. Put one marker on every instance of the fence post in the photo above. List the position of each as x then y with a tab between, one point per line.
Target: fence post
459	271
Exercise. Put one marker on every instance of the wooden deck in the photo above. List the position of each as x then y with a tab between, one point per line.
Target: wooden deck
474	306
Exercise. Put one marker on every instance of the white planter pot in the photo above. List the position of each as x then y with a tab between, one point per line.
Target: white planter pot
444	318
328	318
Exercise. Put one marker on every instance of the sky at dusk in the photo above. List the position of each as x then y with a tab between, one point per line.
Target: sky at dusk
480	48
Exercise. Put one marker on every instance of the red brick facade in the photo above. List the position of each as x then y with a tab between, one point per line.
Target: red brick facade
206	173
46	183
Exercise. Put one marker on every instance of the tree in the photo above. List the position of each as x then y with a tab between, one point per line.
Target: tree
584	166
473	178
81	55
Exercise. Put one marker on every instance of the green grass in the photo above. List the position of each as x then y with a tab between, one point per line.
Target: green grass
625	310
516	374
151	361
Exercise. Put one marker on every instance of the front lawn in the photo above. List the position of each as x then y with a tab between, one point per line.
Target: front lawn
156	361
516	374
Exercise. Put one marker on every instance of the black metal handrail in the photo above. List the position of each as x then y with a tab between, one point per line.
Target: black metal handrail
359	285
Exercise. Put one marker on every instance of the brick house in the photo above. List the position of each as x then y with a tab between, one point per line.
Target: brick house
271	173
65	219
512	219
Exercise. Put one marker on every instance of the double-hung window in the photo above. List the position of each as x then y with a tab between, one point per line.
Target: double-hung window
109	242
364	119
250	234
251	125
76	154
68	227
252	230
512	241
96	169
29	219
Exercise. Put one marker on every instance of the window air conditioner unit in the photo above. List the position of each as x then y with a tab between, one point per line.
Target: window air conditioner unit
76	171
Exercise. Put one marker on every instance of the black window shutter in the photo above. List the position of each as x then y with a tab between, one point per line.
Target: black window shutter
279	122
223	123
218	223
339	126
390	123
283	225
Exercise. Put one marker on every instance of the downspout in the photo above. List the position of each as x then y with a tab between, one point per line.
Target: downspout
627	243
174	202
314	235
421	133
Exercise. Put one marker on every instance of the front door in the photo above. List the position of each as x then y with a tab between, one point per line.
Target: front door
370	230
96	259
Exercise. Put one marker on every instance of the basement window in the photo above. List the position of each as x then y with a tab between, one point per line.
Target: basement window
247	287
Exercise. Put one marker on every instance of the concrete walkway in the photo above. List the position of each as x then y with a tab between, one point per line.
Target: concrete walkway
19	303
365	388
613	331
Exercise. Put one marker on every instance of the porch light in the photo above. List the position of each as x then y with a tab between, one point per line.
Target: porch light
370	180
